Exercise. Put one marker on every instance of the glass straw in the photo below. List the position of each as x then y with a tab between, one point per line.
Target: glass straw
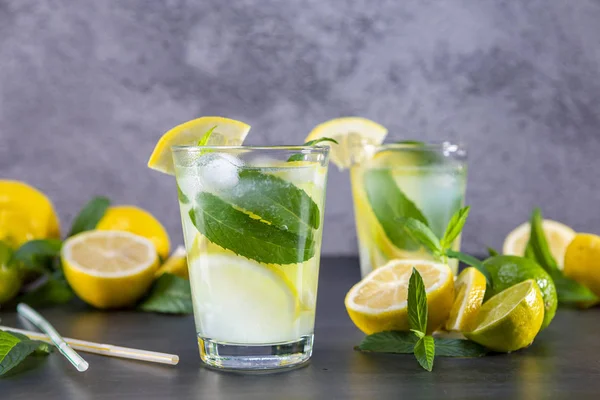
35	318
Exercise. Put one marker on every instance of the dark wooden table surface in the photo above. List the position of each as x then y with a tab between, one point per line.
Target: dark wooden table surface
564	361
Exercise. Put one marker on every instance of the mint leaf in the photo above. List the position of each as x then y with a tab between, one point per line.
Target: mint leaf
6	253
455	226
170	294
181	196
235	230
417	303
411	142
472	262
300	157
389	342
276	200
90	215
422	234
425	352
458	348
34	254
53	291
492	252
204	139
13	350
389	203
570	292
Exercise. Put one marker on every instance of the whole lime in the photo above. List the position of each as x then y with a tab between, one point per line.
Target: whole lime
10	283
507	271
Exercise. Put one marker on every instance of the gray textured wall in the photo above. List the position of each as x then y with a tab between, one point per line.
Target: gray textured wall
87	87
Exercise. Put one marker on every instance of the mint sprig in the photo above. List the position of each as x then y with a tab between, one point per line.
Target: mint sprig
90	215
569	292
204	139
300	157
15	348
417	320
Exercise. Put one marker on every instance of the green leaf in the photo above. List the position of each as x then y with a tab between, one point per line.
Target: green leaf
455	226
54	291
170	294
90	215
204	139
570	292
425	352
421	233
235	230
492	252
411	142
389	203
417	303
458	348
181	196
6	254
472	262
276	200
14	349
300	157
389	342
34	254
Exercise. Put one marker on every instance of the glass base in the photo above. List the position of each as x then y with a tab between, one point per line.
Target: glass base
255	357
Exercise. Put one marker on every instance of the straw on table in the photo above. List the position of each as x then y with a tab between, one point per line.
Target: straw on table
104	349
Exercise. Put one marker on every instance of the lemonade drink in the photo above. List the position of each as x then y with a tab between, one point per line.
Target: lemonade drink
425	182
252	221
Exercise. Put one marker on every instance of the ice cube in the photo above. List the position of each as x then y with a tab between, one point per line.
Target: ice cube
218	171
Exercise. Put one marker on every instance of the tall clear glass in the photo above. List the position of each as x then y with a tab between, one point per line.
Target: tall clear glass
426	182
252	222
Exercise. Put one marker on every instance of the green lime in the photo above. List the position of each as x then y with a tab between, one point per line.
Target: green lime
511	319
507	271
10	283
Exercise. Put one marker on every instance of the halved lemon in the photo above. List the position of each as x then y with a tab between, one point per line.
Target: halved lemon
138	221
226	132
511	319
353	134
32	206
558	236
237	300
379	302
109	269
470	290
176	264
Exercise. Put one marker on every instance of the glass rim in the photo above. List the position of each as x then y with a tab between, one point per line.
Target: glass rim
432	146
324	149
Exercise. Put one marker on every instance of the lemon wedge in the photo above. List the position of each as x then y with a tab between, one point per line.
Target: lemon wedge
511	319
176	264
240	301
353	134
470	290
558	236
225	132
109	269
379	302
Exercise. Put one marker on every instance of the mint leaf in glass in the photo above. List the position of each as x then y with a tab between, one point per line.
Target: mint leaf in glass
421	233
425	352
204	139
90	215
300	157
170	294
389	203
237	231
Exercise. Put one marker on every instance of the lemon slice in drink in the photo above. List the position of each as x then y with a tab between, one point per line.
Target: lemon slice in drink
470	290
558	236
379	302
109	269
226	132
353	135
511	319
240	301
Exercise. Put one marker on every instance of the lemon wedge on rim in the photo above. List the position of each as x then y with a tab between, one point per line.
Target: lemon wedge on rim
224	132
353	134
